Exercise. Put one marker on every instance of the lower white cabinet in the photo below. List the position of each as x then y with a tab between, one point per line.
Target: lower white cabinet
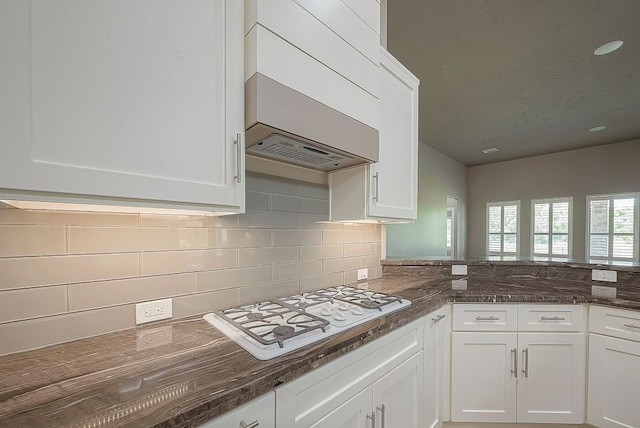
510	376
614	368
379	384
437	334
257	413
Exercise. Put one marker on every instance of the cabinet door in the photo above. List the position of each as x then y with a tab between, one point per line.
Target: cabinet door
261	410
397	397
394	179
551	382
614	382
139	101
352	414
483	377
436	367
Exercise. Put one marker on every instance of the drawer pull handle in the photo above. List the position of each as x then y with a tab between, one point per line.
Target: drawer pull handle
238	143
487	319
438	318
632	326
253	424
514	352
372	416
376	179
552	319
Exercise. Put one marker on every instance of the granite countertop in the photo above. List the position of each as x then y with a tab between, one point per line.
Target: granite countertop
181	373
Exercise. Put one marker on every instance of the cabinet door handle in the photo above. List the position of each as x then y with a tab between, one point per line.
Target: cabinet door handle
487	319
381	408
552	319
372	416
438	318
253	424
238	143
375	178
514	352
525	360
632	326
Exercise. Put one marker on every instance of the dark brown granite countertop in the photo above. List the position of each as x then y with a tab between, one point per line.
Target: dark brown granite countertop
184	372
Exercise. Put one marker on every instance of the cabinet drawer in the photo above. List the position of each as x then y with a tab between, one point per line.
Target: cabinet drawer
485	317
261	410
305	400
551	318
614	322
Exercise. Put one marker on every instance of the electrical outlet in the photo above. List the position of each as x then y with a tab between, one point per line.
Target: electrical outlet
602	291
458	269
459	284
153	311
604	275
363	274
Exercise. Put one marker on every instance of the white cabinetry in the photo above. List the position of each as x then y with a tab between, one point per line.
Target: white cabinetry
614	368
505	375
257	413
123	103
437	333
388	189
382	380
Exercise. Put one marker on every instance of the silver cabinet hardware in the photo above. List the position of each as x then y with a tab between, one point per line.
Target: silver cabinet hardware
381	408
253	424
487	319
438	318
632	326
372	416
238	143
525	358
551	319
375	178
514	352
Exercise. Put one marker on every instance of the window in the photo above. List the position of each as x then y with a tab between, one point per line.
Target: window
503	222
612	228
551	228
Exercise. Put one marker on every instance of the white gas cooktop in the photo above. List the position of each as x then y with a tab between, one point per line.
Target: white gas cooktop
275	327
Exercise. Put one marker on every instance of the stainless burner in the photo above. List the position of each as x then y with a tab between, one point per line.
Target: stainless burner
283	331
368	303
255	316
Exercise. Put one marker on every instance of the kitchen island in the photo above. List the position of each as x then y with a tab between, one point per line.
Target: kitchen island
183	372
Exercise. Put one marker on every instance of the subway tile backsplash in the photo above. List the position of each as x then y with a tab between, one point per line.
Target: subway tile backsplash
66	275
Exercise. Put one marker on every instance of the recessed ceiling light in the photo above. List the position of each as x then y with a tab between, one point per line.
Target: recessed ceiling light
597	128
608	47
491	150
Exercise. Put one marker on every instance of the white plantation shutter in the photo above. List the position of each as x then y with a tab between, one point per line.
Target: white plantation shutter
613	228
502	228
551	226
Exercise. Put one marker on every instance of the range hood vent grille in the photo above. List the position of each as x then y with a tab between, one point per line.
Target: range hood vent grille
280	147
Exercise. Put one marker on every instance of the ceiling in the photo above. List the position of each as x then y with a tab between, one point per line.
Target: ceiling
519	75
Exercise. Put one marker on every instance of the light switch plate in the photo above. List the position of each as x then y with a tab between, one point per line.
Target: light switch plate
604	275
458	269
153	311
603	291
363	274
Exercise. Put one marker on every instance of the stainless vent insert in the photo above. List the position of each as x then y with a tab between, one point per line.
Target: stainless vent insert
281	147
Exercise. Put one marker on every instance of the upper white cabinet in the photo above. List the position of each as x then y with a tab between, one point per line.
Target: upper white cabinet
123	102
614	368
386	190
502	374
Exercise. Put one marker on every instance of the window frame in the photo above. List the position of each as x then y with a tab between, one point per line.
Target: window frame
502	254
611	259
551	256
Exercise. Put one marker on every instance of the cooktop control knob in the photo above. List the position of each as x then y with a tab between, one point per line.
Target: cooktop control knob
357	310
326	311
339	316
343	306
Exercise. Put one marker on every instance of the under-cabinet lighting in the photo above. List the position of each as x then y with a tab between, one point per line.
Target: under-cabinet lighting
64	206
491	150
597	128
608	47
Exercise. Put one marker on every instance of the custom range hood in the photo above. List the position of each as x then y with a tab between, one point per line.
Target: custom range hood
287	126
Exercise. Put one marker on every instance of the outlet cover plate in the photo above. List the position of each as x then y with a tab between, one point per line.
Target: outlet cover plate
604	275
154	311
458	269
363	274
603	291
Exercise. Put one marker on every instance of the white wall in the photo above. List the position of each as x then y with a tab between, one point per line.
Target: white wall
613	168
439	177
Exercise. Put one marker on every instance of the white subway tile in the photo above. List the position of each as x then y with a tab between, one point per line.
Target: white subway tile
269	220
341	236
241	238
32	303
259	293
341	265
258	201
318	252
154	220
370	261
66	218
232	278
359	249
297	270
272	184
18	241
128	239
318	222
315	191
297	237
194	304
157	263
313	283
267	256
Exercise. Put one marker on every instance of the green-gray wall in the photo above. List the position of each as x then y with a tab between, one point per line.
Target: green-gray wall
439	177
613	168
